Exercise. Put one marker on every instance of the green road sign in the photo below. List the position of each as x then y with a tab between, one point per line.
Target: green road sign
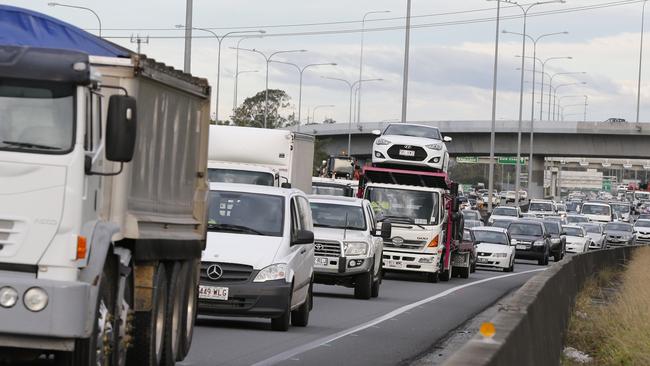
467	159
607	185
510	160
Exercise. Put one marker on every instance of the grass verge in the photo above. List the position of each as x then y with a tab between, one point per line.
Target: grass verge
611	318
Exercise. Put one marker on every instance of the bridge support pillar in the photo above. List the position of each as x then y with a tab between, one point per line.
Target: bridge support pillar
536	176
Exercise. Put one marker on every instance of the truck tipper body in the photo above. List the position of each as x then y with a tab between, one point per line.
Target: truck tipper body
103	192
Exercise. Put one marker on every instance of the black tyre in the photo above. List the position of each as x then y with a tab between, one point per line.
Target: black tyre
557	256
472	267
432	277
175	313
544	260
300	316
190	269
124	318
374	291
445	275
150	325
281	323
363	286
464	272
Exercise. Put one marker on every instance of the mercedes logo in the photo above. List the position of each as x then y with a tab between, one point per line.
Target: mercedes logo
214	272
319	246
397	241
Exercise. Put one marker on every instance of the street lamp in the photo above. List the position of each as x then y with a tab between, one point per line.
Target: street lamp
313	111
351	86
220	40
268	60
363	30
301	70
543	62
525	11
550	83
234	100
83	8
638	93
494	110
405	67
237	78
555	94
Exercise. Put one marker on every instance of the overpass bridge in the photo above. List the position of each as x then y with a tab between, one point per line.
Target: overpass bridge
565	139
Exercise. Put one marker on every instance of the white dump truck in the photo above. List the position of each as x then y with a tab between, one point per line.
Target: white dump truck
103	189
260	156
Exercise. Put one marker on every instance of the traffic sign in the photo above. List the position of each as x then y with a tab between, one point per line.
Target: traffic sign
607	185
467	159
510	160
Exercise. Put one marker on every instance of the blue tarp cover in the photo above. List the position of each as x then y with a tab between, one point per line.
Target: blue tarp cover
22	27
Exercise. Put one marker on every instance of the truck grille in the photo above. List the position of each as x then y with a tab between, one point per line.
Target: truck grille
325	248
230	272
11	233
420	154
406	244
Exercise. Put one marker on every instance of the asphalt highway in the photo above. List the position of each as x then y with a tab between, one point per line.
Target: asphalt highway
409	318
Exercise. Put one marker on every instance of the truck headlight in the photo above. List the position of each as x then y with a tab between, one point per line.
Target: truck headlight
381	141
35	299
272	272
355	248
8	297
436	146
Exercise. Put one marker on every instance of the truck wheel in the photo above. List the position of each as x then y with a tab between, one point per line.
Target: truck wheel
124	324
363	286
445	275
464	272
300	316
174	317
150	325
191	271
432	277
281	323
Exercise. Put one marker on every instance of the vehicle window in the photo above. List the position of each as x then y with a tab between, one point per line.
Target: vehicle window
93	122
541	206
552	228
642	224
241	176
295	221
501	223
328	191
622	209
338	216
588	209
561	207
471	215
576	219
484	236
238	212
618	227
371	218
410	130
418	207
573	231
592	228
472	223
503	211
520	228
304	214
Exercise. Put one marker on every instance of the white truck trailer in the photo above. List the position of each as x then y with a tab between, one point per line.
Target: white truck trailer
103	166
260	156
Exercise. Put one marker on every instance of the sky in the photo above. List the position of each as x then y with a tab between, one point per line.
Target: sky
451	53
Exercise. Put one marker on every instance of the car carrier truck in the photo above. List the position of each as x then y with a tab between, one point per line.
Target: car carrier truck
427	227
103	188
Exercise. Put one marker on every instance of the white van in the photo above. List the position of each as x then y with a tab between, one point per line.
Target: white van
259	257
597	211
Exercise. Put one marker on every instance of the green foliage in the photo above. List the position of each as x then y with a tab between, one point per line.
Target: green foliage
251	112
320	154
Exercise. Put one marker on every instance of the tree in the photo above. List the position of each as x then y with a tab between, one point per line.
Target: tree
251	112
320	154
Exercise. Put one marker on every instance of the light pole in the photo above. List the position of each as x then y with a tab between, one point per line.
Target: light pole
351	86
313	112
237	78
363	30
555	94
584	119
541	98
83	8
301	71
525	11
234	100
220	41
405	74
638	93
550	87
494	110
268	60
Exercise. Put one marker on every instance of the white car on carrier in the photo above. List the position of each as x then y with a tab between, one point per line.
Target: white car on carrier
411	145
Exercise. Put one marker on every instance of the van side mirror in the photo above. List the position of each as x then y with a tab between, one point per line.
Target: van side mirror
376	132
121	126
386	230
303	237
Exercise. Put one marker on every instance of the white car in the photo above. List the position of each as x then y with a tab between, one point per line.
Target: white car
642	230
596	233
259	255
409	144
504	213
541	208
493	248
577	240
348	247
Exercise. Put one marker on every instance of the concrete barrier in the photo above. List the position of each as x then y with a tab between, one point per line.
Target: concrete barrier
531	325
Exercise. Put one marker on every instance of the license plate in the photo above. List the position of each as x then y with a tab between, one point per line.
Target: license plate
482	260
407	152
213	293
521	246
398	264
320	261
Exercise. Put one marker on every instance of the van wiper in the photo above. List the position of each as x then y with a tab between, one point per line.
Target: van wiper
234	228
31	145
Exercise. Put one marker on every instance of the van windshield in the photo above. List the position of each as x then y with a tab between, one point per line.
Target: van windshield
588	209
240	176
418	207
246	213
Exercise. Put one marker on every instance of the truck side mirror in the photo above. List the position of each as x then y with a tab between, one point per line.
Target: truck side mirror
121	126
386	230
285	185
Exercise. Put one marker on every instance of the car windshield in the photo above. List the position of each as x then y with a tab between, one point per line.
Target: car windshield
572	206
472	223
504	211
501	223
596	229
239	212
576	219
589	209
331	215
552	228
561	207
418	207
492	237
521	228
540	206
642	195
328	190
573	231
37	117
411	130
618	227
241	176
621	208
643	223
471	215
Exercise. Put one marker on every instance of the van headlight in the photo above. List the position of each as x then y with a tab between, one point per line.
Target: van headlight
381	141
35	299
355	248
272	273
8	297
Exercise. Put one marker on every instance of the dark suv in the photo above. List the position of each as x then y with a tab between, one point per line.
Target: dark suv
531	240
558	239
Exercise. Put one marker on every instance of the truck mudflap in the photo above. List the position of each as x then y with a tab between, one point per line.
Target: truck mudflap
460	260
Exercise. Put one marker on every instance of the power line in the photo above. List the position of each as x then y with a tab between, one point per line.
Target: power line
423	25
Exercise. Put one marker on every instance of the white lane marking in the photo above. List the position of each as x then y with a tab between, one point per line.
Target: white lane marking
328	339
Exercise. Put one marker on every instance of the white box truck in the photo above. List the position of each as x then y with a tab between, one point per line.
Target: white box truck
103	195
260	156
